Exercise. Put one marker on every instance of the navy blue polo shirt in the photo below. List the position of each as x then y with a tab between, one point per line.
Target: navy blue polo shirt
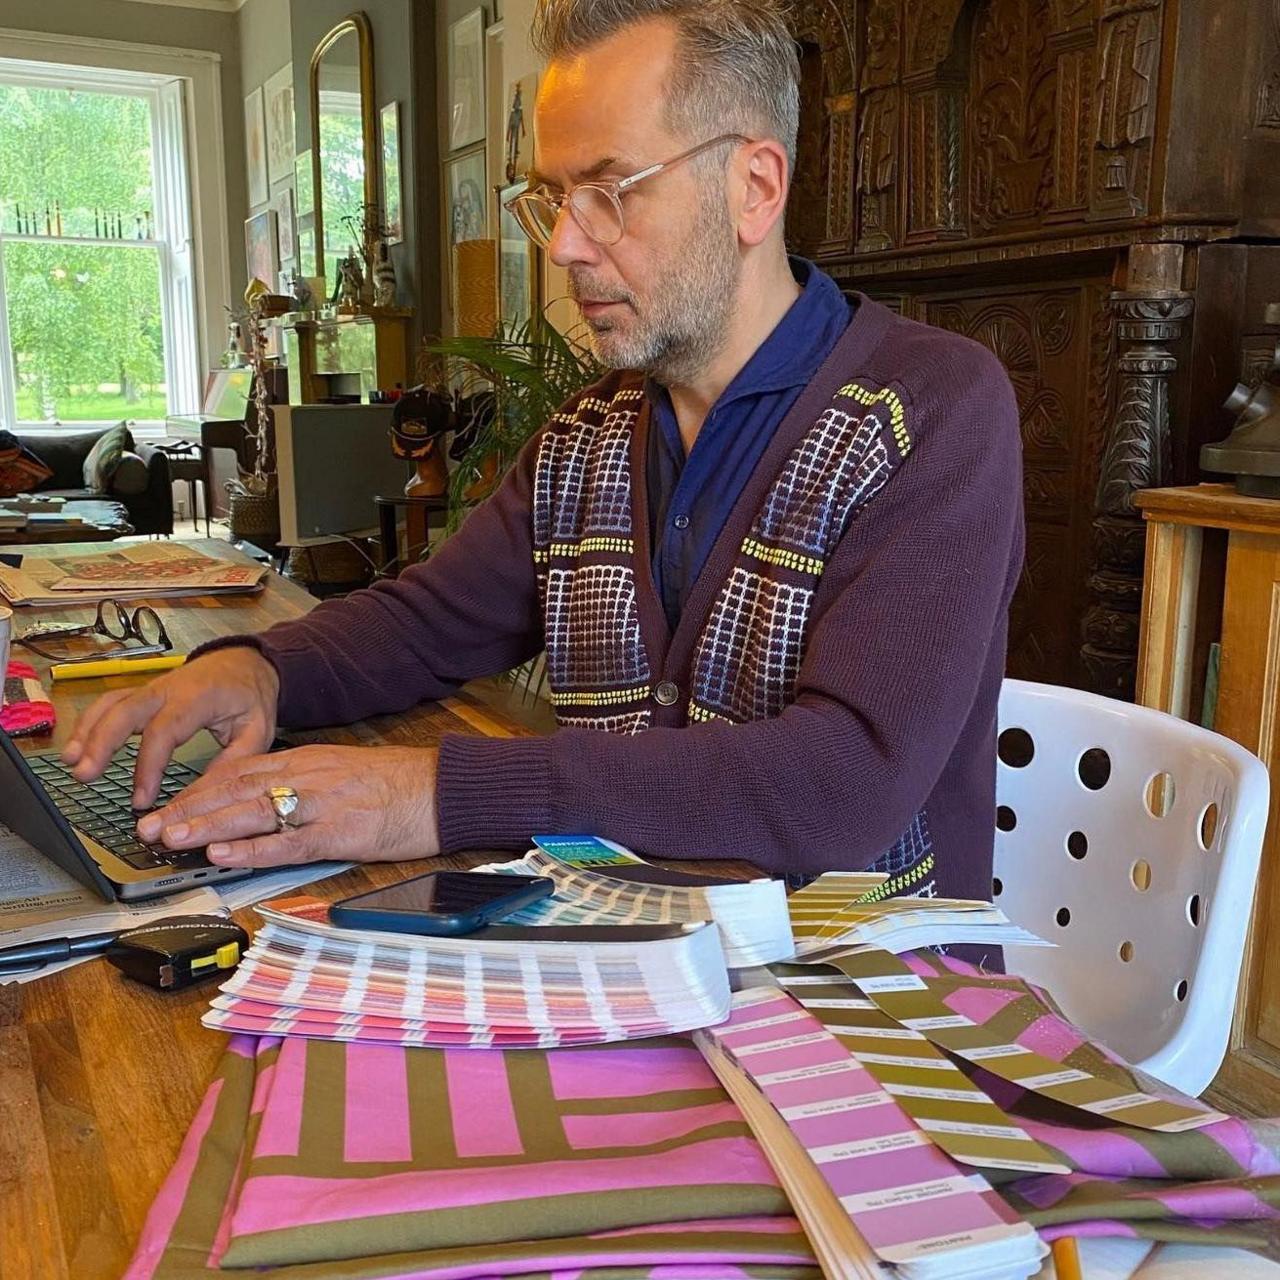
690	497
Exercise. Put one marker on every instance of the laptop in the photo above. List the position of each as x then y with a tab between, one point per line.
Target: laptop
89	828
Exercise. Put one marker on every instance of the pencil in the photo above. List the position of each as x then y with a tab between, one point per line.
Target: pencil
1066	1258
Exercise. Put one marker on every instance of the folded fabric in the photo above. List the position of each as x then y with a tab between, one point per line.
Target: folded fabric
1219	1183
25	707
312	1159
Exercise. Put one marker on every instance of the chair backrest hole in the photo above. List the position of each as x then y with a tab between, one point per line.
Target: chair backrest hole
1180	991
1094	768
1015	748
1159	795
1126	951
1077	844
997	887
1063	917
1006	819
1193	909
1208	827
1140	874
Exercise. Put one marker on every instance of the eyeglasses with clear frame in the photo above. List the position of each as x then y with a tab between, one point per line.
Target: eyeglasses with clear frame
115	622
596	206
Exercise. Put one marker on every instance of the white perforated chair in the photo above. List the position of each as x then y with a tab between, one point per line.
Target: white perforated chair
1131	839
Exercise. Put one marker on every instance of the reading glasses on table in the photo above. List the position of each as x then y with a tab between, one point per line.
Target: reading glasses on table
113	622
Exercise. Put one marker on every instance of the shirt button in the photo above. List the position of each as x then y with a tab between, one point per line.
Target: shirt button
681	522
666	694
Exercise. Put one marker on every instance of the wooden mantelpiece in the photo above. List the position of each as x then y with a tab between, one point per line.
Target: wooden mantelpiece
1213	573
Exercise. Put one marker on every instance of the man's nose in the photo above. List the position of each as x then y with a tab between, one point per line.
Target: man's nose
569	243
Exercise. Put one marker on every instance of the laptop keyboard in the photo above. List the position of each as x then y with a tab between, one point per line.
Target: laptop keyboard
104	811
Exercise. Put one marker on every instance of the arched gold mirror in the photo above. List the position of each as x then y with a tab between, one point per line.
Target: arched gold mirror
344	140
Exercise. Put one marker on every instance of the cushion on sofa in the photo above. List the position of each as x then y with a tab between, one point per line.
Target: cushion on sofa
21	469
131	476
102	460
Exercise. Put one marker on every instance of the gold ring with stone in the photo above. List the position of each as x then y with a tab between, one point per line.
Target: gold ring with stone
284	800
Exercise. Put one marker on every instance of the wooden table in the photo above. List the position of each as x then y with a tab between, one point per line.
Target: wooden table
100	1077
99	522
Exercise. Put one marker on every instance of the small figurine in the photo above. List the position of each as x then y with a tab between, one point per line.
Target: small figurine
384	278
515	134
350	281
304	299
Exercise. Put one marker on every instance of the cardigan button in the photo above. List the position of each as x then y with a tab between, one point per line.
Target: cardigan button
666	694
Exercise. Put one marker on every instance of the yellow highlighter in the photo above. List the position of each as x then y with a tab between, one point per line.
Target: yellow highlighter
116	667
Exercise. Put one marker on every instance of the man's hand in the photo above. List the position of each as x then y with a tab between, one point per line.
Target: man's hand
231	692
362	804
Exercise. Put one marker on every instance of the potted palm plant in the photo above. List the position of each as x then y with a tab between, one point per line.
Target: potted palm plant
507	387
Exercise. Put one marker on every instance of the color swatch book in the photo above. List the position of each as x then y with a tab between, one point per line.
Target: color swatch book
508	986
599	882
843	909
871	1188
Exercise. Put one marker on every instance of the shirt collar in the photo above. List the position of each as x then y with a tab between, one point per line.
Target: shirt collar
799	343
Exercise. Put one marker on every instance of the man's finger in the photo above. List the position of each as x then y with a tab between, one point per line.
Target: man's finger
234	821
166	731
115	725
302	844
239	758
89	718
204	796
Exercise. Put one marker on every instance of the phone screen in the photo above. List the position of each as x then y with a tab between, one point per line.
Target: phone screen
444	893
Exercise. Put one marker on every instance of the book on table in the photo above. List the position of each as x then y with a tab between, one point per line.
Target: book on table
138	570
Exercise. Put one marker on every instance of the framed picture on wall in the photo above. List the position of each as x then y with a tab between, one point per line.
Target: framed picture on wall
466	80
466	213
261	250
283	206
306	245
303	192
392	173
278	101
519	302
255	149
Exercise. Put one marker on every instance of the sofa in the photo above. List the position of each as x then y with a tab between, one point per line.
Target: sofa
64	451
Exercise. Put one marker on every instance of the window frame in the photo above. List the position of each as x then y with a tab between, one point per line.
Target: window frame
190	192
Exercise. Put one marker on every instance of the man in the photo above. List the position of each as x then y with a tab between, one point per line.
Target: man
771	577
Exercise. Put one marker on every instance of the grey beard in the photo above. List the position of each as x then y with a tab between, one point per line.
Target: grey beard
691	312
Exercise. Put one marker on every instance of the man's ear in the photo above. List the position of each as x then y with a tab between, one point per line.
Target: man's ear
763	177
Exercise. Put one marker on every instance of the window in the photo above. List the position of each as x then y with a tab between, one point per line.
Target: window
97	315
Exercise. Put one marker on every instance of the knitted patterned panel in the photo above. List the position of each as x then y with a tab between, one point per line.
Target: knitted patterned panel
749	654
583	548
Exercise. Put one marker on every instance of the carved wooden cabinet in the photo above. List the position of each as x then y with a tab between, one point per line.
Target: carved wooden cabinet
1090	188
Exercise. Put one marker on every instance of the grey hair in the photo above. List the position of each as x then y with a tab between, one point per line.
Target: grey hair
737	69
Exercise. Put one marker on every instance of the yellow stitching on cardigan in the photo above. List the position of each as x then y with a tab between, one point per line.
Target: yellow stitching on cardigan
898	883
623	546
897	413
701	715
781	556
609	698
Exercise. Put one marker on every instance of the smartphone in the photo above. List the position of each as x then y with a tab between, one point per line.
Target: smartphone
441	903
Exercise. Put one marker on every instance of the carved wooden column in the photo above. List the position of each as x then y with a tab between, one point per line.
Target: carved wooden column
1149	317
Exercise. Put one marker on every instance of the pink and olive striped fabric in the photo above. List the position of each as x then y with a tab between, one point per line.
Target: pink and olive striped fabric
321	1159
1218	1184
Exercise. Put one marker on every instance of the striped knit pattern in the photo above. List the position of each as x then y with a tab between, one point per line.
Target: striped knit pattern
747	658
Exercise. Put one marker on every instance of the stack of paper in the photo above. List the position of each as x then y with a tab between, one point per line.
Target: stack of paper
507	986
839	912
876	1196
599	882
147	569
